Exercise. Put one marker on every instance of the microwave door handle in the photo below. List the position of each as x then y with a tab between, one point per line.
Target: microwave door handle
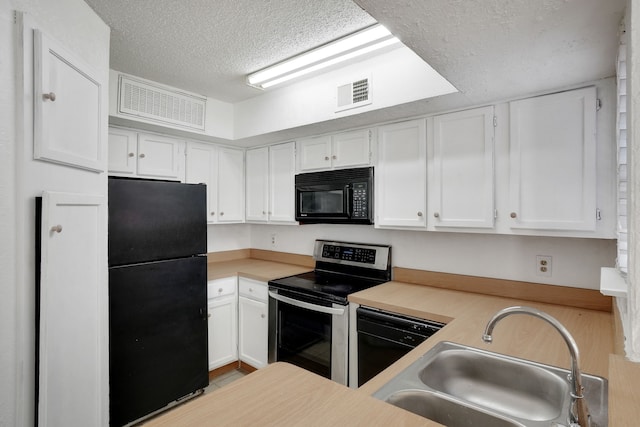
348	194
307	305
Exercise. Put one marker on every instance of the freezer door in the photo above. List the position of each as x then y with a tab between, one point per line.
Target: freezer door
158	335
155	220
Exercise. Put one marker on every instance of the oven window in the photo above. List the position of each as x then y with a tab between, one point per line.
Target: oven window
304	339
323	202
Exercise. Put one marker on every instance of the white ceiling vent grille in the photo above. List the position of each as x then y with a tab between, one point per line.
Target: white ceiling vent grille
160	104
354	94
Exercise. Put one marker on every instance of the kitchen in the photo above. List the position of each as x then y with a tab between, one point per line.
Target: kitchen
576	261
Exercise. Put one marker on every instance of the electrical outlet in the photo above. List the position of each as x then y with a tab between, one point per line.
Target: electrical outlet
273	240
543	265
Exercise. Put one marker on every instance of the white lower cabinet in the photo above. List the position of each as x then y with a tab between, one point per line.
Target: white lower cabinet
253	322
223	321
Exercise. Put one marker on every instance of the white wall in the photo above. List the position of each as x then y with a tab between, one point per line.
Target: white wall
73	24
313	100
632	344
8	258
576	262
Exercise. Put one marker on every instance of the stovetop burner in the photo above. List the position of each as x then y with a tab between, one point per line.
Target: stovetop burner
341	269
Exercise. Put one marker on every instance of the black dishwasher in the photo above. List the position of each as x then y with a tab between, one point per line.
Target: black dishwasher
385	337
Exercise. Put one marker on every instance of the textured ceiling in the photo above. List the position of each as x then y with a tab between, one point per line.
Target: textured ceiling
497	49
490	50
208	47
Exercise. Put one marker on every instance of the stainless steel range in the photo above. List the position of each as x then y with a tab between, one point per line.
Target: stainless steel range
309	312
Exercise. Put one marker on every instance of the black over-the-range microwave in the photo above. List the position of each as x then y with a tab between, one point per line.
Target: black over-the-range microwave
343	196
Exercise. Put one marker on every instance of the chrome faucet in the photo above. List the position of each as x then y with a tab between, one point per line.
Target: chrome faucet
578	411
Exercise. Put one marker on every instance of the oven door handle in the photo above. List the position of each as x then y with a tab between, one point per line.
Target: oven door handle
309	306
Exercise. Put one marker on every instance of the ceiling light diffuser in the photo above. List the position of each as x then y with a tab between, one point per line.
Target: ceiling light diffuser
356	44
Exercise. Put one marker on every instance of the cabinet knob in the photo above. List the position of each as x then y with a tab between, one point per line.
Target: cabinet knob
219	290
334	157
419	213
142	156
262	315
131	154
326	157
269	212
221	213
209	315
51	96
56	229
264	213
213	213
436	214
513	215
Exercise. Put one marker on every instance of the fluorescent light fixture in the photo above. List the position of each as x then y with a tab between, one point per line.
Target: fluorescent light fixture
356	44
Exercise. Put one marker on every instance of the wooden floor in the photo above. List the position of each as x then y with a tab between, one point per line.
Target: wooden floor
224	379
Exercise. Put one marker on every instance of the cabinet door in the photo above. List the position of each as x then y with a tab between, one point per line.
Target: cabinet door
281	179
67	108
401	175
73	329
123	147
258	184
160	157
314	153
351	149
201	168
553	161
230	185
223	331
253	331
461	189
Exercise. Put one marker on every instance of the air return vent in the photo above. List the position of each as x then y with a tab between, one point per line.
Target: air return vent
160	104
354	94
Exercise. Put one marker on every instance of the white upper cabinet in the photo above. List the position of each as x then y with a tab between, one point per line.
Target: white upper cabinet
553	162
67	108
222	170
257	173
461	170
145	155
123	146
230	185
270	184
400	176
201	168
281	183
348	149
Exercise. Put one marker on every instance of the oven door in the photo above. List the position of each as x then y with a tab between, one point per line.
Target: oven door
331	201
309	333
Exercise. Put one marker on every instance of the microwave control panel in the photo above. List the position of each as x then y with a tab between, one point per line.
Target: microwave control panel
360	200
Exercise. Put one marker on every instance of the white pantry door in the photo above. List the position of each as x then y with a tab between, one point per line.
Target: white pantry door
73	346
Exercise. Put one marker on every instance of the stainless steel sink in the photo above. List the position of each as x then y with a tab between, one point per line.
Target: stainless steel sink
480	383
447	411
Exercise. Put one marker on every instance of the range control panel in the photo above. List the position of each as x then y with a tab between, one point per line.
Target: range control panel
355	254
349	253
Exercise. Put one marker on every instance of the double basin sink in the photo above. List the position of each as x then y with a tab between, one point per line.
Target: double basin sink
457	385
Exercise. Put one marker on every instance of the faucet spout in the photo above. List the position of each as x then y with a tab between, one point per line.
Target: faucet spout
579	413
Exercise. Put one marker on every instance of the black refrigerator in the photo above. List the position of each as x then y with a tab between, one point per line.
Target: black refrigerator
157	295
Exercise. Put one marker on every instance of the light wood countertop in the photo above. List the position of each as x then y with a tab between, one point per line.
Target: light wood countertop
253	269
285	395
281	394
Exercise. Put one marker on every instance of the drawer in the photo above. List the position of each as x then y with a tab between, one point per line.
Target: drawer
253	289
221	287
